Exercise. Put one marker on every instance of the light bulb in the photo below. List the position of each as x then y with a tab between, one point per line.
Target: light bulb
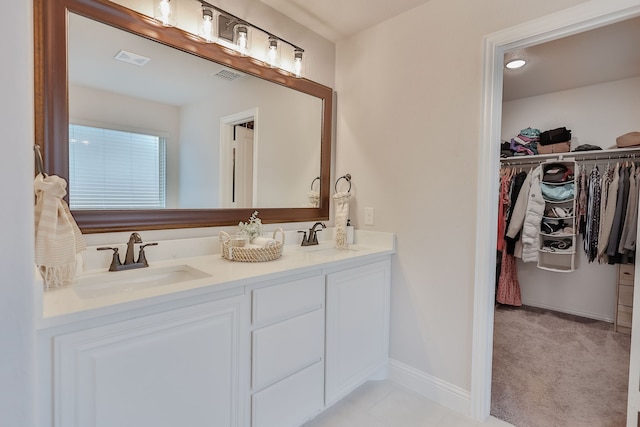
241	39
273	54
207	26
297	62
165	12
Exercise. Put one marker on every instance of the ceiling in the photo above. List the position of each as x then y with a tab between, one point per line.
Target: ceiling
337	19
597	56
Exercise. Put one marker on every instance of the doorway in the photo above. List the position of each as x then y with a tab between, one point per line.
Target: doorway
567	22
238	149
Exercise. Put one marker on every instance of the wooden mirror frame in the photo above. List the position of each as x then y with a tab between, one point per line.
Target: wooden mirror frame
52	114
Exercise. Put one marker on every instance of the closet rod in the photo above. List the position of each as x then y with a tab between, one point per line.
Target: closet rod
620	153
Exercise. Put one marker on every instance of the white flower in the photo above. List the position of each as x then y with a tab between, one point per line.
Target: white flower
251	228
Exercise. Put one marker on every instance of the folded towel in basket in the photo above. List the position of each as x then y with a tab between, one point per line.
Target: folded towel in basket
263	242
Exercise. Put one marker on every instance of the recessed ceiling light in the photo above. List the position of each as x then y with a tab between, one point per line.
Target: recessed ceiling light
515	63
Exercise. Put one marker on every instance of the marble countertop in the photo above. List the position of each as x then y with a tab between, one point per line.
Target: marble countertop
88	298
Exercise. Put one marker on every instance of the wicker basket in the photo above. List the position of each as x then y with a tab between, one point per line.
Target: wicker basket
243	254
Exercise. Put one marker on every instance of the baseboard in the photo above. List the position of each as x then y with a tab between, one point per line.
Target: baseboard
431	387
588	315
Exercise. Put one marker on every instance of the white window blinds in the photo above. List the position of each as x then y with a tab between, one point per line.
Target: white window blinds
112	169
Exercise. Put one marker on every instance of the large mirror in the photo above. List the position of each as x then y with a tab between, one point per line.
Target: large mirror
221	135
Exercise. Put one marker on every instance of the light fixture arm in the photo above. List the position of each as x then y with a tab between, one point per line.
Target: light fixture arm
237	20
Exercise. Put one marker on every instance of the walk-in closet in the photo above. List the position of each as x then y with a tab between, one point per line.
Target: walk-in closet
567	227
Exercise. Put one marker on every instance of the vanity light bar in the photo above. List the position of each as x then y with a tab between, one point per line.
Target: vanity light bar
243	48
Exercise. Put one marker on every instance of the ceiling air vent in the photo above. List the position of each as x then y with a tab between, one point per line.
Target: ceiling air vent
132	58
228	75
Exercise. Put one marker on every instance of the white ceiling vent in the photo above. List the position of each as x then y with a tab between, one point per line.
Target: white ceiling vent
132	58
229	75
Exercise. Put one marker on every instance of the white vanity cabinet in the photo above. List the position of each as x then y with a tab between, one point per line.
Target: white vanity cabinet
287	352
174	368
270	350
357	347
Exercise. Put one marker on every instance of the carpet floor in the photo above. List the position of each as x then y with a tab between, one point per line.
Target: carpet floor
557	370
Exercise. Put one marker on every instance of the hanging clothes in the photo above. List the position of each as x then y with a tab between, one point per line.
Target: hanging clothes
508	285
581	198
503	205
517	184
610	210
629	215
593	215
619	217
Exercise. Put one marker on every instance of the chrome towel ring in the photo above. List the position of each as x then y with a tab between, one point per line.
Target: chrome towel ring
314	181
346	177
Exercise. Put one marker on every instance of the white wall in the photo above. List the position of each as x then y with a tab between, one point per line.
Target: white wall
596	115
94	107
17	290
409	122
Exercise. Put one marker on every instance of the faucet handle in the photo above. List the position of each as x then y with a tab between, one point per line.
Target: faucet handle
115	261
141	255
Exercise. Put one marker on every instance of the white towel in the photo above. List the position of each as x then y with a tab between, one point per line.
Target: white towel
342	215
314	199
58	239
263	242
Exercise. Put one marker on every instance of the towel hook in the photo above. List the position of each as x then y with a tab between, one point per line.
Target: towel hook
314	181
346	177
39	162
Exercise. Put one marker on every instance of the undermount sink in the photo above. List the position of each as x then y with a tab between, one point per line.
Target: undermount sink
111	283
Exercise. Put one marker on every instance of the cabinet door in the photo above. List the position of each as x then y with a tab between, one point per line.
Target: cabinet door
178	368
357	343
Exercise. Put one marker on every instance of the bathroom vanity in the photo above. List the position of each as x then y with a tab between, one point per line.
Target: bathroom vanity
203	341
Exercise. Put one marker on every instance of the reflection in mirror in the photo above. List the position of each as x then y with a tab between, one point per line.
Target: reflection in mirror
190	133
188	167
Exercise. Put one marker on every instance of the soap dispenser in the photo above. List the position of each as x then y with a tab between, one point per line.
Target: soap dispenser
350	232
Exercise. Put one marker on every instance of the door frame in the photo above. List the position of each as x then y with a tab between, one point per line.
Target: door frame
226	134
577	19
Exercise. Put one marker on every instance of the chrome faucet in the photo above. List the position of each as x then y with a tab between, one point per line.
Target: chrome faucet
116	264
312	239
133	239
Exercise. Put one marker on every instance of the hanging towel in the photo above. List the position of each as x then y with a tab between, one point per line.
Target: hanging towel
342	215
58	239
314	199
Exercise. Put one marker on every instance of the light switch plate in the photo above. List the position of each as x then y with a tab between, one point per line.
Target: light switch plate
369	216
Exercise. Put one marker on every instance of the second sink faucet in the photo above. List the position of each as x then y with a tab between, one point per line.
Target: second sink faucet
133	239
312	238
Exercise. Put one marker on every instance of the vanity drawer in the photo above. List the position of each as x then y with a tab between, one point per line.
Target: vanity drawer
292	401
625	274
289	299
285	348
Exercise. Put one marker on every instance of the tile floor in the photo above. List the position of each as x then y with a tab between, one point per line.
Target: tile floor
387	404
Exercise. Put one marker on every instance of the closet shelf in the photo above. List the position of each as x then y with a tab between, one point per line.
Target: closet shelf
558	251
557	183
614	153
567	218
558	201
559	235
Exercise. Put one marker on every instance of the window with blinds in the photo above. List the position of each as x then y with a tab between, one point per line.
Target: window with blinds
112	169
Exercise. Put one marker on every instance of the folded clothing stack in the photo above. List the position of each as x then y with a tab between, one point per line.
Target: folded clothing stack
525	144
555	141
